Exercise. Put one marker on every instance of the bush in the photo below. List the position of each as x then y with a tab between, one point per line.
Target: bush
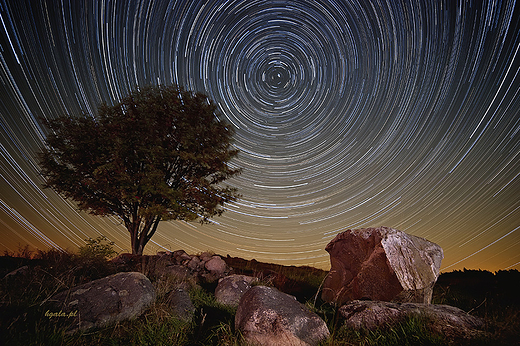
99	248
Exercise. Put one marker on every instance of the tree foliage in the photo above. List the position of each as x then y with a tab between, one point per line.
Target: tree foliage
160	154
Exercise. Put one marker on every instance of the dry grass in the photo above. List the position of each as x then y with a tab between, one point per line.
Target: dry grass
23	322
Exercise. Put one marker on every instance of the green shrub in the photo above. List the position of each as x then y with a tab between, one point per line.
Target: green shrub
100	248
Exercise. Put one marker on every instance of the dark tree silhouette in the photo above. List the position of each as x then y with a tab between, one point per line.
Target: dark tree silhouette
160	154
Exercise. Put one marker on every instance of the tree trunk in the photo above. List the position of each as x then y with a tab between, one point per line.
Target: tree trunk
133	240
140	238
133	229
136	249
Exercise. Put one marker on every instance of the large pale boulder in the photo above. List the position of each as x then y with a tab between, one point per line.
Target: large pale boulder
102	302
381	264
266	316
446	320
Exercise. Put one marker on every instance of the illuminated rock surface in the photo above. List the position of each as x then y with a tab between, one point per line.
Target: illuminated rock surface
266	316
231	288
104	301
381	264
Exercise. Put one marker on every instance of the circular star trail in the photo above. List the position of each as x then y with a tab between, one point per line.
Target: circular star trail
348	114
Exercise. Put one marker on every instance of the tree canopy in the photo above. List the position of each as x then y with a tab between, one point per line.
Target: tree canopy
161	153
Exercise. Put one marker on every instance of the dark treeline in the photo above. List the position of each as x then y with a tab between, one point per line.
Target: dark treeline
479	291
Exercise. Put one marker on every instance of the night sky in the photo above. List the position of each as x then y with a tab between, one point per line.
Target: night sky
348	114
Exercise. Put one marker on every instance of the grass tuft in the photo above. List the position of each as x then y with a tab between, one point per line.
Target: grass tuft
44	273
410	331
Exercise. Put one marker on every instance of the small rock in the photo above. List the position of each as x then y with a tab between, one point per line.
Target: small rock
177	271
194	263
124	258
180	256
231	288
216	265
20	271
266	316
205	256
180	303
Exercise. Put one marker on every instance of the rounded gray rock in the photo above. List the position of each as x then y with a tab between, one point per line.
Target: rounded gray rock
102	302
266	316
231	288
446	320
216	265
